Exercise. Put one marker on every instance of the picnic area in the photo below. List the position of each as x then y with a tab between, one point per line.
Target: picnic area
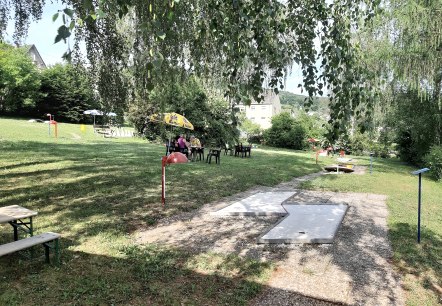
119	245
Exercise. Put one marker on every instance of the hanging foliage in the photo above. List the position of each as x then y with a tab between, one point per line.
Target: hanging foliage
243	44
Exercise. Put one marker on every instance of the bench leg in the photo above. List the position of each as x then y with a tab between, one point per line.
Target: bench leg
15	230
46	252
57	251
56	247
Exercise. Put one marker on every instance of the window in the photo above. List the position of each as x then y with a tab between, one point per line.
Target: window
251	118
263	117
252	107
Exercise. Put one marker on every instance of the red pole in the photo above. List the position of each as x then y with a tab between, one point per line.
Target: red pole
163	180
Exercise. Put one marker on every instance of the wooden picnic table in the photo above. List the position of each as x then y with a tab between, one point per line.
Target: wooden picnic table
16	216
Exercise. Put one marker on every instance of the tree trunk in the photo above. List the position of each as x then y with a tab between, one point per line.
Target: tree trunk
438	105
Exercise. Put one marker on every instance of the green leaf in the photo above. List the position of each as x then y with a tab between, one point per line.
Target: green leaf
93	16
150	86
149	66
54	17
88	4
58	38
67	56
63	33
72	25
69	12
161	35
157	62
101	14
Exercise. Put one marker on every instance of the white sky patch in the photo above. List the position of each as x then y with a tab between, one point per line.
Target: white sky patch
42	34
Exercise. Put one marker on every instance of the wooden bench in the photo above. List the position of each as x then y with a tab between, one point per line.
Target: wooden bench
26	243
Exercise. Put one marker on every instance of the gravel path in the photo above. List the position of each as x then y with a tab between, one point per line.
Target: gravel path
354	270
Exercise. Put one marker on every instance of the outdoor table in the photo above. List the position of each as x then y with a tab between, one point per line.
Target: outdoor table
16	216
243	150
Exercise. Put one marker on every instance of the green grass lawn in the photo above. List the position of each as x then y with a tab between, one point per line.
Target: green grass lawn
96	191
420	264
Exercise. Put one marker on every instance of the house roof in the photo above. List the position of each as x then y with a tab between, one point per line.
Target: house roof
32	49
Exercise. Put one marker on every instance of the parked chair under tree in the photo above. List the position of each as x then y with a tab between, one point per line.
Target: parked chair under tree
216	153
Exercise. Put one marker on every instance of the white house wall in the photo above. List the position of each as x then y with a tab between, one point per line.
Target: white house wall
261	113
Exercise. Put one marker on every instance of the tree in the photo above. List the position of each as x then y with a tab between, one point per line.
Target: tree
402	46
67	92
242	44
252	130
210	114
19	80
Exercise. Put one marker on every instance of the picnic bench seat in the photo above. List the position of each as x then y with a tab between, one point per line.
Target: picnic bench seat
26	243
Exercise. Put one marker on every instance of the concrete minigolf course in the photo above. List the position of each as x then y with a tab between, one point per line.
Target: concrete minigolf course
259	204
307	224
303	222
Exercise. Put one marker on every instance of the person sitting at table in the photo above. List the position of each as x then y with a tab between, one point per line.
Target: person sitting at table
182	144
195	144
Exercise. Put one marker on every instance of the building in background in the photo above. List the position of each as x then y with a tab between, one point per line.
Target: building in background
35	56
262	113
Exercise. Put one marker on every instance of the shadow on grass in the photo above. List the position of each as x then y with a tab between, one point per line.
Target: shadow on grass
139	276
103	186
420	259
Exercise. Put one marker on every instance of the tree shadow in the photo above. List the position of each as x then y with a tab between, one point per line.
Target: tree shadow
420	259
360	257
148	275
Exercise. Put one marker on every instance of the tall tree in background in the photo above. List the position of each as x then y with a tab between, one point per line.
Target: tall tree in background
403	46
19	80
66	92
242	44
209	113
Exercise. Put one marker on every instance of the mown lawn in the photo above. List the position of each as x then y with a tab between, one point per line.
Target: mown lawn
420	264
96	192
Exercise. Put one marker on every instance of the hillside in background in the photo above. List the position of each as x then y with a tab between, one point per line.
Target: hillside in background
295	102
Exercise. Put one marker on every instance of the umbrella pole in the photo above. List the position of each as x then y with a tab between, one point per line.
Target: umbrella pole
168	147
163	180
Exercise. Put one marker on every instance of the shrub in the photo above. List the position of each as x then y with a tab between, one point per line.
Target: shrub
286	132
433	160
256	139
359	144
379	150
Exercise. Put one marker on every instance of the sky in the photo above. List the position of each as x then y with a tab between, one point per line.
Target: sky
42	35
43	32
